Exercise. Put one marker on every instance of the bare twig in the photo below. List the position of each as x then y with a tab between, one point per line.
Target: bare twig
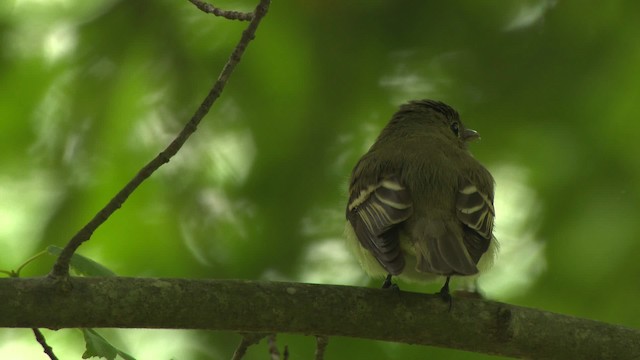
231	15
47	349
29	260
247	340
61	267
273	347
321	345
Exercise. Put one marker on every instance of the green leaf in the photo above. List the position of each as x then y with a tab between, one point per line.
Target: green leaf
97	346
125	356
83	265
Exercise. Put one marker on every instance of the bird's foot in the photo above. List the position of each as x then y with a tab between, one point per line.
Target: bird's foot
444	293
387	284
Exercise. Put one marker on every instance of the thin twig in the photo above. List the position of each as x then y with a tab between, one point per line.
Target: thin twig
47	349
231	15
61	267
321	345
29	260
247	340
273	347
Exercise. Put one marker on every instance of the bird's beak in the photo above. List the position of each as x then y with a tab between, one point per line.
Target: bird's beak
469	135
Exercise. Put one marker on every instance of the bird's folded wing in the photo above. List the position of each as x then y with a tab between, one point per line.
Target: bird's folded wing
475	210
374	214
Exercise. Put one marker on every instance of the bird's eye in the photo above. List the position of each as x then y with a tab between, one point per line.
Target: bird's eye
454	128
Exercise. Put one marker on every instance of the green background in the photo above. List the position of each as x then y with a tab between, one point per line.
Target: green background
92	90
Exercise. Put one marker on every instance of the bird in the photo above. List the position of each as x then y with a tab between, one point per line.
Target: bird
420	205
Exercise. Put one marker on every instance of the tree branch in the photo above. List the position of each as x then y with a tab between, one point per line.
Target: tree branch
321	346
274	353
231	15
61	267
247	340
327	310
43	342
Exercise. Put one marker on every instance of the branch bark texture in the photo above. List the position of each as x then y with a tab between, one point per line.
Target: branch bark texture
328	310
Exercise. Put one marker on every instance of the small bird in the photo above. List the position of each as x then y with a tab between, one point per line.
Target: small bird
420	205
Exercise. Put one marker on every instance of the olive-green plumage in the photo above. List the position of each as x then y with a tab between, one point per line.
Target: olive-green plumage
420	205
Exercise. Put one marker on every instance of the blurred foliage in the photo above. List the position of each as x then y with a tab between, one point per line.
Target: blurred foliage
92	90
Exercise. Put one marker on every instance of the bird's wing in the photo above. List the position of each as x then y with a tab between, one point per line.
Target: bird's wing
374	214
475	210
